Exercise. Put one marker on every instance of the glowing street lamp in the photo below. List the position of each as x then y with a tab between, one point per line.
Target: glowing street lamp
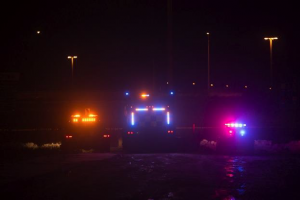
271	59
72	62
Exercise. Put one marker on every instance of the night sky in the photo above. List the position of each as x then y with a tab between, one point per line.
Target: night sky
121	44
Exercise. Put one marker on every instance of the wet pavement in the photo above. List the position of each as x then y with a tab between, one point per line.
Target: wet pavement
152	176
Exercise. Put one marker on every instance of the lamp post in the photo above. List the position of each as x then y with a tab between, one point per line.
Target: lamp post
72	63
271	56
208	66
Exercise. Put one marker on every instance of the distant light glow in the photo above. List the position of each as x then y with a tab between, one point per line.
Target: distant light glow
171	92
92	115
167	83
75	120
77	115
145	95
211	85
194	83
106	136
246	86
38	32
71	57
141	109
168	117
271	38
158	109
126	93
132	118
227	86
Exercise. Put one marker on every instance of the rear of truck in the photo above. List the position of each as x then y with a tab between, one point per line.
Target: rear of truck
85	132
149	126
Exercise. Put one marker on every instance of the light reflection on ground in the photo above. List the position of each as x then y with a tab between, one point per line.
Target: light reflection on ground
231	185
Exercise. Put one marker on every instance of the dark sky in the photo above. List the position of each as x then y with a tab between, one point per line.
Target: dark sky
121	44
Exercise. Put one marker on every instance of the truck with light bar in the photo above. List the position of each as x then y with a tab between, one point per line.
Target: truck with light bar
85	131
235	137
149	122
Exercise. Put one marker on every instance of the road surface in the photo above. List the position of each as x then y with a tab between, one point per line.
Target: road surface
152	176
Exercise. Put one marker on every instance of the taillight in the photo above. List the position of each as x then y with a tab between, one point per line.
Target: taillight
130	133
69	136
170	131
106	136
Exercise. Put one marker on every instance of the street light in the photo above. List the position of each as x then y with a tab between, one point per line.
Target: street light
271	59
72	62
208	67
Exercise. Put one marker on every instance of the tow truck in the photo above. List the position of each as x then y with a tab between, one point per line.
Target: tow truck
85	132
234	138
149	123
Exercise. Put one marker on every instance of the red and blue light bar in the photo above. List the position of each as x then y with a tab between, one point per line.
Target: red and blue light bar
235	125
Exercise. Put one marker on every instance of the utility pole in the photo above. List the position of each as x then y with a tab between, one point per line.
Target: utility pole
208	63
170	46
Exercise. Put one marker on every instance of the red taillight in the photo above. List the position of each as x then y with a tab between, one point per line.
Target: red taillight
69	136
169	131
130	133
106	136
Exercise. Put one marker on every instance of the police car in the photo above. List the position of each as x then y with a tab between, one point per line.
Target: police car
235	137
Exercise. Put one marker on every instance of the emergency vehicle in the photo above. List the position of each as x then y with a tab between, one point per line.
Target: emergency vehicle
149	122
85	131
235	137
